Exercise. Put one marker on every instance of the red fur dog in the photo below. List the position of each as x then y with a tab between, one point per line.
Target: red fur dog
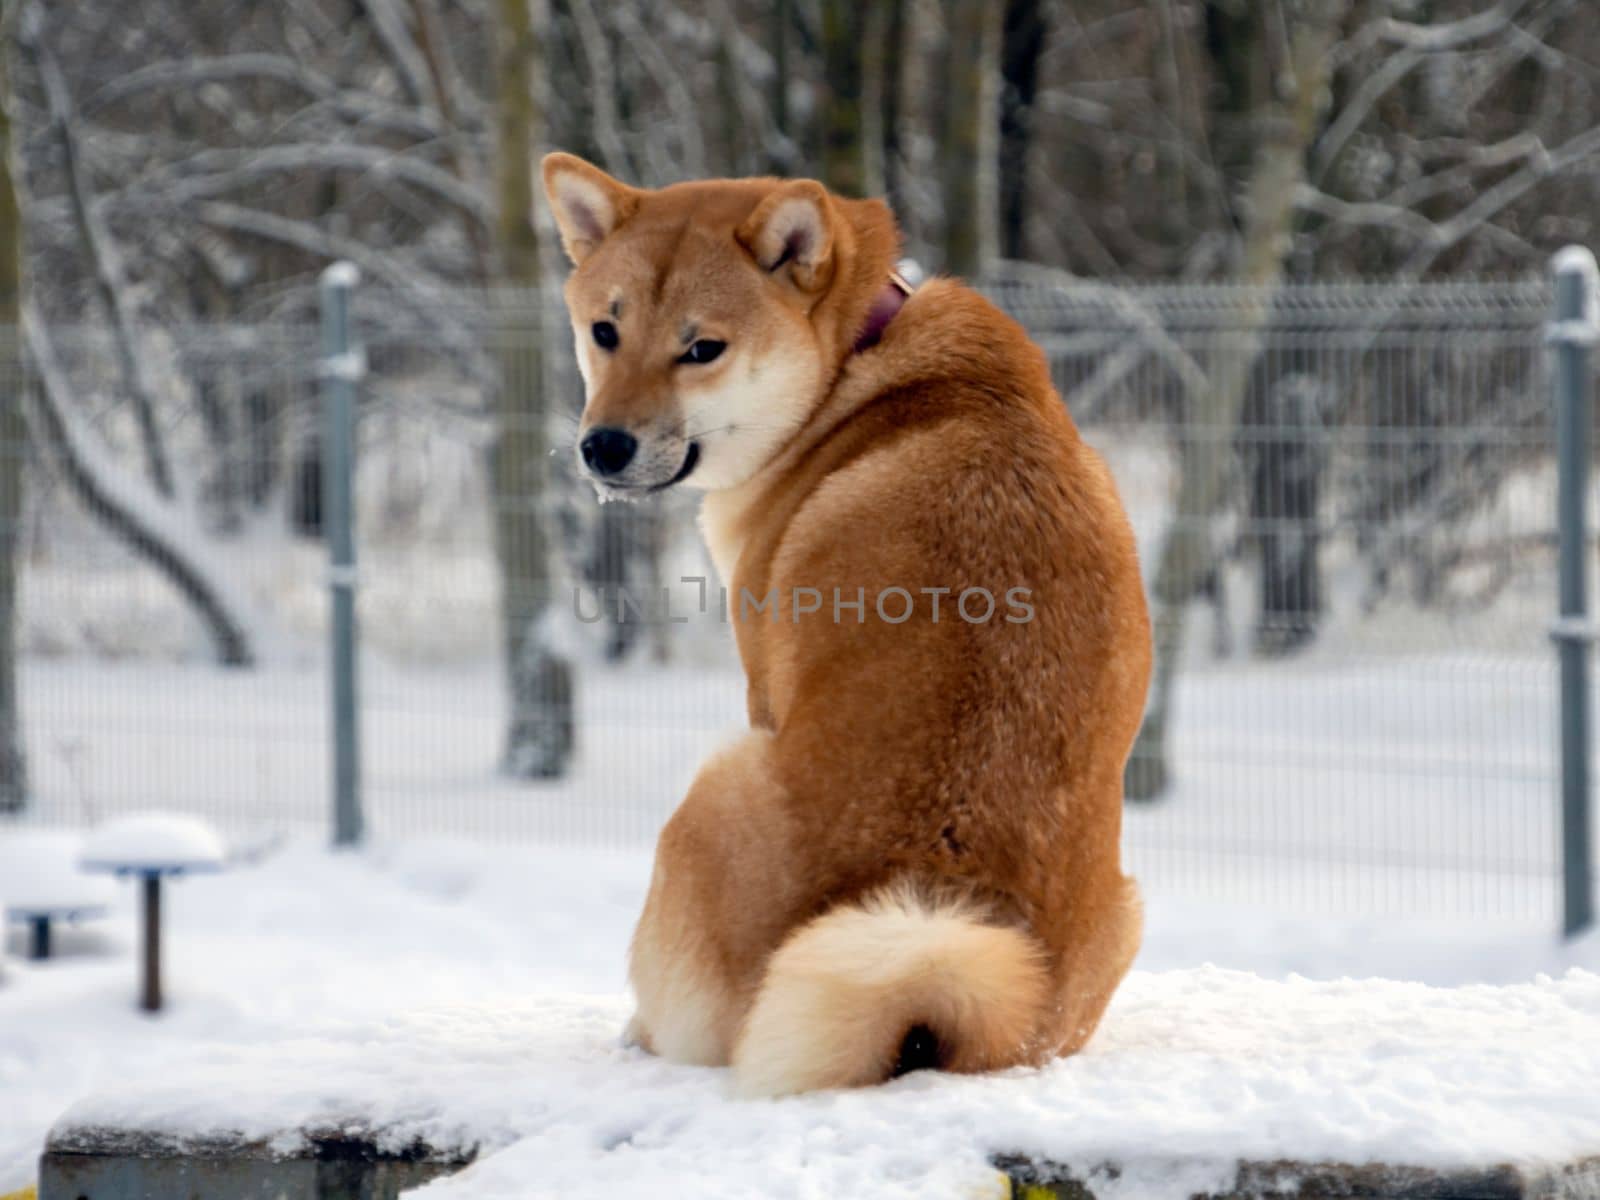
912	858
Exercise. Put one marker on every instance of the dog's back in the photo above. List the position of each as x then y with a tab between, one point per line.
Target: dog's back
966	765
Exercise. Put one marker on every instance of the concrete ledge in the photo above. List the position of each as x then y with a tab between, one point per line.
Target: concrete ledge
108	1164
1032	1180
1196	1072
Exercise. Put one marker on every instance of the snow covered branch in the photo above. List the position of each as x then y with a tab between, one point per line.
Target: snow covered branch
1501	195
153	527
188	73
411	287
210	173
1433	38
402	52
105	262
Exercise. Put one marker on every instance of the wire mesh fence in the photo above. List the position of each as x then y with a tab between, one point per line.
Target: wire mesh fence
1344	497
1351	518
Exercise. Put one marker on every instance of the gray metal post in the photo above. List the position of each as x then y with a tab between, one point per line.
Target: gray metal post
150	984
342	368
1572	334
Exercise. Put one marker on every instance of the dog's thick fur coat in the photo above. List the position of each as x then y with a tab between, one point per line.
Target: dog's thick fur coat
912	858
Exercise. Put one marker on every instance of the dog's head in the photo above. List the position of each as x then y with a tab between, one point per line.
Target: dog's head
710	317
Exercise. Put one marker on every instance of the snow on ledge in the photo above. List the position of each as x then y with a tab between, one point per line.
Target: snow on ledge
1191	1068
153	841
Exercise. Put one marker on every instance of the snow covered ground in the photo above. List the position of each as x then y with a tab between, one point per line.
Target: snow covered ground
294	979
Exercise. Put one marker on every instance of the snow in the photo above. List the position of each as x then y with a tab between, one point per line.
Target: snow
474	994
153	842
1577	260
344	275
1208	1064
39	874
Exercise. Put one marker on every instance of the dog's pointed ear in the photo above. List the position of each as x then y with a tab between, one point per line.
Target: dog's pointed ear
792	228
587	203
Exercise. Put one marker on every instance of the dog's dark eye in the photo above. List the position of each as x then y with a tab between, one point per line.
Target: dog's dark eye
703	351
605	335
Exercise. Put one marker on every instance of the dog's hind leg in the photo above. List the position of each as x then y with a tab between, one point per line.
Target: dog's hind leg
721	898
1097	964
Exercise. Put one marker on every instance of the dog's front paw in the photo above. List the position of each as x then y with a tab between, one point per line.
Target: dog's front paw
635	1035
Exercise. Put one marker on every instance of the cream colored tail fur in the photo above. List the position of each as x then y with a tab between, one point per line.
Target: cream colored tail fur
841	996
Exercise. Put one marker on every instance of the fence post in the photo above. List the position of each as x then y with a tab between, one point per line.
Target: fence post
1572	333
343	366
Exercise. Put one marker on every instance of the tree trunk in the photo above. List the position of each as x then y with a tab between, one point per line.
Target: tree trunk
782	153
540	733
1021	44
1284	131
972	48
1170	72
878	62
13	761
1286	448
844	167
612	551
222	491
895	55
913	177
730	125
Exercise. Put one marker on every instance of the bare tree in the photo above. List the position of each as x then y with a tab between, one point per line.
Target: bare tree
540	730
105	261
912	166
782	153
1024	36
1453	137
843	156
1280	110
155	524
13	442
970	131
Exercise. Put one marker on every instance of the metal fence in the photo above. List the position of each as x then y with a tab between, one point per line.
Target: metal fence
1344	496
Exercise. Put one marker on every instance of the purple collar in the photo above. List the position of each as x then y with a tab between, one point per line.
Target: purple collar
891	298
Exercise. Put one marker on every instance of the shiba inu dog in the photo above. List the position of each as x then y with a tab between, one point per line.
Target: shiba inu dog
912	859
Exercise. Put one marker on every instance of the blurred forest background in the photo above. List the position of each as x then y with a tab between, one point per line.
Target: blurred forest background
231	146
177	163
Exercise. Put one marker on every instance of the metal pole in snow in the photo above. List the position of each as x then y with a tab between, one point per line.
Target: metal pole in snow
150	984
343	366
1572	333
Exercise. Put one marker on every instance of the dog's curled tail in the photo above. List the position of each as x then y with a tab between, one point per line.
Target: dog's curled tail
891	984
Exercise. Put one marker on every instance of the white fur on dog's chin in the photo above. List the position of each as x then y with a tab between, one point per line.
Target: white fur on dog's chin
743	422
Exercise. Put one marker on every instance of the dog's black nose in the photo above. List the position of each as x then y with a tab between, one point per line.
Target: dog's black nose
606	451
